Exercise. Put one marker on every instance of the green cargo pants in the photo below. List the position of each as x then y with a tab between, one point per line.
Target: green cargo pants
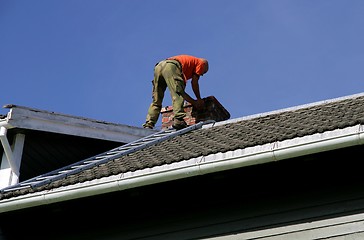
167	73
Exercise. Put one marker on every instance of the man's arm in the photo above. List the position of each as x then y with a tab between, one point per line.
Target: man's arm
188	98
199	103
196	90
196	86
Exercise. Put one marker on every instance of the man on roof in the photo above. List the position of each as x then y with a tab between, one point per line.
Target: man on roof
174	72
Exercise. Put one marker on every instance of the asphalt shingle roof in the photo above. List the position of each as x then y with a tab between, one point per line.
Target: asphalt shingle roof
237	134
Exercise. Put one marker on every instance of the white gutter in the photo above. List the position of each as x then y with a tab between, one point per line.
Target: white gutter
271	152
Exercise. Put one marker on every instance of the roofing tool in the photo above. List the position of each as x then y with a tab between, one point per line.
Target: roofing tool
104	157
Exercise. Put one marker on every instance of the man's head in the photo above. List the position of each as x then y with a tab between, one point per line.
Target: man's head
206	65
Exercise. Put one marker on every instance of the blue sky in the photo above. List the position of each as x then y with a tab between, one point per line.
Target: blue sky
95	58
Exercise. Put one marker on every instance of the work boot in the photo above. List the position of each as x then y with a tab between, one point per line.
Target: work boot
148	125
179	124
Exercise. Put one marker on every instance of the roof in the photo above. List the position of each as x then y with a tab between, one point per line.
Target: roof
257	139
52	140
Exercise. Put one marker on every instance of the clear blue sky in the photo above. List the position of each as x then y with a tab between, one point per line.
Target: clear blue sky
95	58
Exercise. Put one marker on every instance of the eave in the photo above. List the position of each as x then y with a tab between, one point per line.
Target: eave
276	151
35	119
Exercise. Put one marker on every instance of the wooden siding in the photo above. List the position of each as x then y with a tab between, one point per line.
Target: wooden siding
347	227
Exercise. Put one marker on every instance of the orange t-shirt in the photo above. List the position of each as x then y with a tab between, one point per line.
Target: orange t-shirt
190	65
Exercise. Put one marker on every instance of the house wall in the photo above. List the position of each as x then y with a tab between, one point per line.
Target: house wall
319	196
335	228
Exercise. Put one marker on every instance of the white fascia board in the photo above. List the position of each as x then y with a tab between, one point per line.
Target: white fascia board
28	118
271	152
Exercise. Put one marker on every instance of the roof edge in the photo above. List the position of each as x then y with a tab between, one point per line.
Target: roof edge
276	151
35	119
